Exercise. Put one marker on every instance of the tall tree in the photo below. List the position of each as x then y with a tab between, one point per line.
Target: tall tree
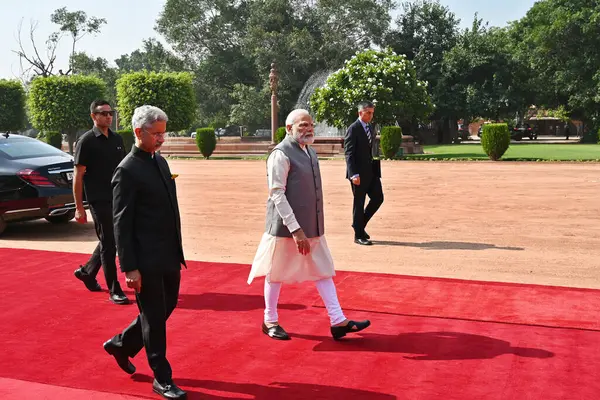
234	39
424	32
208	34
387	79
76	23
152	57
559	41
481	78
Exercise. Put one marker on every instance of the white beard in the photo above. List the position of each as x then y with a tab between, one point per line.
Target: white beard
305	140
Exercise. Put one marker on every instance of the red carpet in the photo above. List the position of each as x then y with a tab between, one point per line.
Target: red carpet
429	339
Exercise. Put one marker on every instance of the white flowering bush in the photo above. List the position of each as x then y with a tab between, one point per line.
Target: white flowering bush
387	79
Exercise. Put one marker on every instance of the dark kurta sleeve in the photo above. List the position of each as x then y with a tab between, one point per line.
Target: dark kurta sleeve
124	196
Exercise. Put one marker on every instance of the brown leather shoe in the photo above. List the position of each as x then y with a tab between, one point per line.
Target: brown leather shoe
275	332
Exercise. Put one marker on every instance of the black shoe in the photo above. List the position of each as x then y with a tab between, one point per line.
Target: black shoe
362	241
90	282
275	332
339	332
122	360
119	298
366	235
168	390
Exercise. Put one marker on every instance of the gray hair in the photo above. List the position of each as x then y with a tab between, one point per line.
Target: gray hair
291	118
365	104
146	115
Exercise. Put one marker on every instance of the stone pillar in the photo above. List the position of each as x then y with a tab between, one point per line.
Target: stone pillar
273	79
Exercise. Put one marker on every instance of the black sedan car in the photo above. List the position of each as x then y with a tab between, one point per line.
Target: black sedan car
35	181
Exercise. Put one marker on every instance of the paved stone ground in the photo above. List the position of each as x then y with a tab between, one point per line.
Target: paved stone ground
513	222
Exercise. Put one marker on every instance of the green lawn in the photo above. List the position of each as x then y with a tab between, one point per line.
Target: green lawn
516	152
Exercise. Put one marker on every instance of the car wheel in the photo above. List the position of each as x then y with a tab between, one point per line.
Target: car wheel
61	219
2	225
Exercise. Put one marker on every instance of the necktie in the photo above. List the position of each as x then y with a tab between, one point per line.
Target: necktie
368	130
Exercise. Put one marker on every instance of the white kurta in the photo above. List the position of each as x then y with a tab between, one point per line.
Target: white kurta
278	258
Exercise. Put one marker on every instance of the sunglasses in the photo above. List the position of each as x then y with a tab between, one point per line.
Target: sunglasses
105	113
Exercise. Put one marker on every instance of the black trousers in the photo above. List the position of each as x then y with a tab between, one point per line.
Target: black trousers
156	301
360	214
106	251
94	263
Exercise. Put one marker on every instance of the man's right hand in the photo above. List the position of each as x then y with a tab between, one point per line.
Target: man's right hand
81	215
356	181
301	242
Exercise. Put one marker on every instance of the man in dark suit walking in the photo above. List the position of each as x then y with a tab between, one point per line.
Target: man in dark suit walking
148	236
364	174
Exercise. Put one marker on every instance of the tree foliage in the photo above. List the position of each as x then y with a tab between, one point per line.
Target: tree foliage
170	91
425	31
233	43
62	103
12	106
152	57
559	41
77	24
252	107
383	77
83	64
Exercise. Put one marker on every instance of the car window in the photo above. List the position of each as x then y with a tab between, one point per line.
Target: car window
19	149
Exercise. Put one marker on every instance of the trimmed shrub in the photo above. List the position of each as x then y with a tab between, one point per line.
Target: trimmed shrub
53	138
206	141
12	106
591	136
495	139
280	134
173	92
62	103
391	140
128	139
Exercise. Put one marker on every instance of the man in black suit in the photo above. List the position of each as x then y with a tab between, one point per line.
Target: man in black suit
364	174
148	235
97	154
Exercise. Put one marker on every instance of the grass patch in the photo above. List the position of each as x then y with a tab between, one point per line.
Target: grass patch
516	152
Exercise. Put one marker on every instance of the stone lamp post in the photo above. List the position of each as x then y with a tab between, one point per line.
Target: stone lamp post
273	80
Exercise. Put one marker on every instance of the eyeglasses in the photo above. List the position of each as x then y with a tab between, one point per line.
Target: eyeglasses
155	134
105	113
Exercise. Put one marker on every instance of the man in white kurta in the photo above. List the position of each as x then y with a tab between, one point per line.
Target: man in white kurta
293	247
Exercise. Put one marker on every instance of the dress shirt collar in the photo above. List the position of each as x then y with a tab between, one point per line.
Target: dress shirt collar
364	124
98	132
